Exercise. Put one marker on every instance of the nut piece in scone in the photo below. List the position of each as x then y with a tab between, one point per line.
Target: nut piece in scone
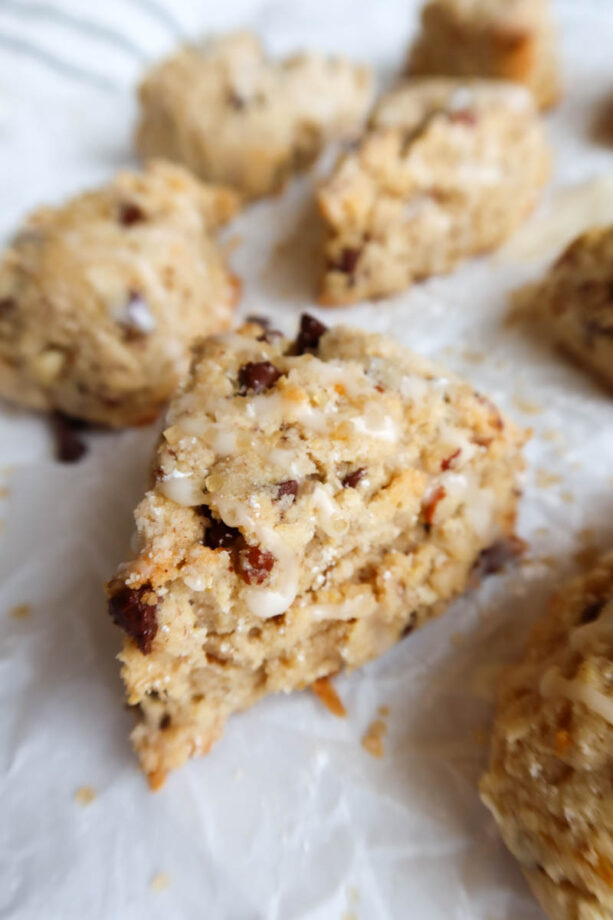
101	298
232	115
574	303
550	778
500	39
447	169
315	500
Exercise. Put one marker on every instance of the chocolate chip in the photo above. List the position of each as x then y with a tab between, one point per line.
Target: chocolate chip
254	564
351	480
311	331
130	214
68	446
165	721
219	535
130	610
289	487
347	261
592	611
496	556
257	376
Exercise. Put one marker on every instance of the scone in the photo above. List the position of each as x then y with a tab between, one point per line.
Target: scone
446	170
501	39
550	779
314	501
574	303
232	115
101	298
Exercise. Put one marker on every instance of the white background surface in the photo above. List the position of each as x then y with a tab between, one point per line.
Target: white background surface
288	818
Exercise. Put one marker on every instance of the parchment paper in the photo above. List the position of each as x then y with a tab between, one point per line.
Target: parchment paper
289	818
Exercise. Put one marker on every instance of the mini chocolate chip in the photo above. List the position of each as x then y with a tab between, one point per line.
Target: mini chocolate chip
130	213
254	564
496	556
257	376
68	446
236	101
289	487
592	611
348	260
129	610
269	334
7	305
165	721
351	480
311	331
219	535
410	626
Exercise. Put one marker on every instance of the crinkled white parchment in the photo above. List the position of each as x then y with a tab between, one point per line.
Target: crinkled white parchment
289	818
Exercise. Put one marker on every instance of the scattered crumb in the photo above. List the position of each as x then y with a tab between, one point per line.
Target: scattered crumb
587	556
542	532
457	639
349	917
4	492
373	738
567	497
21	611
160	881
527	406
384	711
545	479
473	356
323	689
85	795
551	435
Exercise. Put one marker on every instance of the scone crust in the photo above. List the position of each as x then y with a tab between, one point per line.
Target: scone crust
101	298
234	116
550	778
301	525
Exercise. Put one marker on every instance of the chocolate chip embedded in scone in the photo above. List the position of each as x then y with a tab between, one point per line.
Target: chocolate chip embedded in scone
100	299
548	783
233	115
302	521
446	170
498	39
573	304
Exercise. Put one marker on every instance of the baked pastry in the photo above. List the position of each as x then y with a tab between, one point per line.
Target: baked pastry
101	298
573	305
446	170
232	115
550	778
499	39
314	501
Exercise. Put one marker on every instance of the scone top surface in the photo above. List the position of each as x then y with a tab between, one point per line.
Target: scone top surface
235	116
313	500
100	298
447	169
550	779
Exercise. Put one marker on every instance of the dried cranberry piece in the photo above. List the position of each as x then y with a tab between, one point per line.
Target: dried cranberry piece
496	556
130	610
447	462
257	376
592	611
311	331
219	535
352	479
254	564
430	509
463	117
289	487
68	446
130	214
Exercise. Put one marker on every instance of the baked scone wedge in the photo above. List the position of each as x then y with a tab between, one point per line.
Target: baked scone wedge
447	169
497	39
573	305
235	116
550	778
314	501
100	298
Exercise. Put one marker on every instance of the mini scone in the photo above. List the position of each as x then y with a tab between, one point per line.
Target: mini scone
232	115
573	305
447	169
101	298
550	779
498	39
314	501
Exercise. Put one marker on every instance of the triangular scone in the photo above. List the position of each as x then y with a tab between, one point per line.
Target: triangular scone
446	170
314	501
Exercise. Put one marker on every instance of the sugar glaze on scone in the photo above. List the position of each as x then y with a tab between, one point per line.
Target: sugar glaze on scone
101	298
498	39
550	778
447	169
232	115
314	500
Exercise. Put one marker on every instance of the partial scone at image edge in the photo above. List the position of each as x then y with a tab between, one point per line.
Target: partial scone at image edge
314	501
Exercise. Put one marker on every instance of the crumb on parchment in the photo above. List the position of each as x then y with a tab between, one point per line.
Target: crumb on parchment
160	881
372	741
84	795
20	611
324	691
